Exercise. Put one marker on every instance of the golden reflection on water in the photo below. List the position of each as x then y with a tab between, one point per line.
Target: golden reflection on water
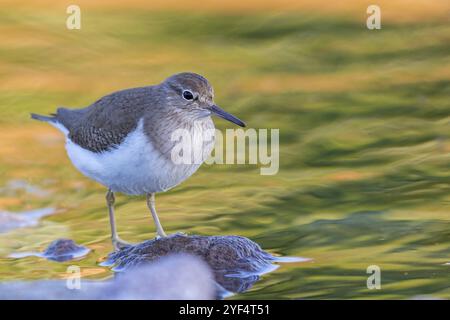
364	143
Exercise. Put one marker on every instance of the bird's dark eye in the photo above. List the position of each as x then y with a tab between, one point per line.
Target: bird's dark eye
188	95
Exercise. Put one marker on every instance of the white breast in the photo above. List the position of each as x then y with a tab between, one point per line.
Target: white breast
135	167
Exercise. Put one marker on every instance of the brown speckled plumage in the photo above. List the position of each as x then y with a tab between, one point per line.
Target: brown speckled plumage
105	124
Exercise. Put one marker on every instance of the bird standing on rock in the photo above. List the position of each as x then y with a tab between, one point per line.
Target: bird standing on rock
124	140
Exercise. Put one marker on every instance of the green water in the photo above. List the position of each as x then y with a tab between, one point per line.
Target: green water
364	143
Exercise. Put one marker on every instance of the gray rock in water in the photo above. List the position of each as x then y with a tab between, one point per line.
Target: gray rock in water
64	249
59	250
236	262
177	277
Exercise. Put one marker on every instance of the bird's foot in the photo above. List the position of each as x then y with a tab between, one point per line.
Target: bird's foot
119	244
157	237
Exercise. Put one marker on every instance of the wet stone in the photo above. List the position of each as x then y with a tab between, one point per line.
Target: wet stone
64	250
236	262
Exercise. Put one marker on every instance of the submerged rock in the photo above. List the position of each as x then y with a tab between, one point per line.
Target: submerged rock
59	250
175	267
236	262
64	249
173	277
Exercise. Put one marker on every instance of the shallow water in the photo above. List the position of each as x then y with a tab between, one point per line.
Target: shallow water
364	143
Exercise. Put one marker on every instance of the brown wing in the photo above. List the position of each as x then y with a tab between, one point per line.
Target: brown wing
105	124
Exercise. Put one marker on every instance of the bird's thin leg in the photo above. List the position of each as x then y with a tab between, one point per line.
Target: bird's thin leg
151	206
116	241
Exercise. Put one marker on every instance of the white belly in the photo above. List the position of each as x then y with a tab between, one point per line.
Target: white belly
135	167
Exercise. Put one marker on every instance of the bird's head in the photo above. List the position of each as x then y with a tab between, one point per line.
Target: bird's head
193	94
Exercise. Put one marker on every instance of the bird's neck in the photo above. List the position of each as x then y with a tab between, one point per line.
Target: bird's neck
176	126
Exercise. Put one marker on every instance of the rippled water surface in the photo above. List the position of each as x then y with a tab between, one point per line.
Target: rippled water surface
364	143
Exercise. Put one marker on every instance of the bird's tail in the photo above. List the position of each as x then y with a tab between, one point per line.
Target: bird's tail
39	117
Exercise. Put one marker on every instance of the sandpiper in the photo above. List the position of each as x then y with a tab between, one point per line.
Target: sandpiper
123	140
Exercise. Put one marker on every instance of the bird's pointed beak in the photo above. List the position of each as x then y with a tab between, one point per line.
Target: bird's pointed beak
225	115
